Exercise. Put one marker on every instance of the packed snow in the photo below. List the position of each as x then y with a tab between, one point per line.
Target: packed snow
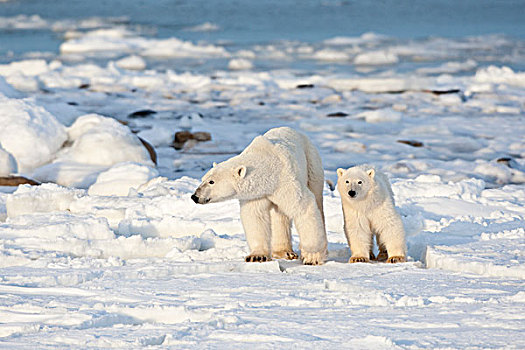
111	252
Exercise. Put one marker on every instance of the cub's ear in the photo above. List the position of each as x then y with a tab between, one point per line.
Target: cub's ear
214	164
340	172
240	171
371	173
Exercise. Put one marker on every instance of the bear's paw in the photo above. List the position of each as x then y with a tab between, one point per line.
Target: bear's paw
356	259
396	259
257	258
285	254
382	256
313	258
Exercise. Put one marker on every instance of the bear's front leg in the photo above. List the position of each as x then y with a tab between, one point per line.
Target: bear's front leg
390	233
359	236
255	217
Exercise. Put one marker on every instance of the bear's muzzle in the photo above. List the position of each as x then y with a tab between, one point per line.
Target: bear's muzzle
195	198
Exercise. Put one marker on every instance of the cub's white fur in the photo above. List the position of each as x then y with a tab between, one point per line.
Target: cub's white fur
277	178
368	209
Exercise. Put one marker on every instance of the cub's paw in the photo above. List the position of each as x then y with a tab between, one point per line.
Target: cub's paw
356	259
313	258
396	259
285	254
382	256
257	258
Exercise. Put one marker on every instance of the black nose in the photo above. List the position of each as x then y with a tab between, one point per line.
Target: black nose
195	198
352	193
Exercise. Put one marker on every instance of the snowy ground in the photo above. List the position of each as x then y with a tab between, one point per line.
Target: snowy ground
118	256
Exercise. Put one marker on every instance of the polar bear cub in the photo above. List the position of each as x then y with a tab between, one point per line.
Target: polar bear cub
277	179
368	209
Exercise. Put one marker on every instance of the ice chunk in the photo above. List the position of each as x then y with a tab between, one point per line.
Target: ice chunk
331	55
240	64
120	40
122	177
70	174
381	116
204	27
376	58
100	140
58	226
7	163
500	75
23	22
37	199
132	62
497	255
29	132
6	89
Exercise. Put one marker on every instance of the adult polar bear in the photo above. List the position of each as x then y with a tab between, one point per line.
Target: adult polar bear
277	178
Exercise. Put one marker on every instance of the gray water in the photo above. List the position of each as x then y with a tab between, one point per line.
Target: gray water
248	22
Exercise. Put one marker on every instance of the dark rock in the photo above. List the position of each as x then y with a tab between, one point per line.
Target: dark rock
72	103
395	92
181	137
305	86
67	143
506	161
143	113
443	92
412	143
150	149
337	115
84	86
201	136
17	180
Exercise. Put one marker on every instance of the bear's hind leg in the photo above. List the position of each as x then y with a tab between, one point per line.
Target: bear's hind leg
255	217
315	174
383	254
281	235
310	226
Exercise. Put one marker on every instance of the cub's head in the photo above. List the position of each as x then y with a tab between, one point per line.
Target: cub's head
219	184
355	183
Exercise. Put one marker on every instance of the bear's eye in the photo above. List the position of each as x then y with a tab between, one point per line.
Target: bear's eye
347	181
359	182
211	182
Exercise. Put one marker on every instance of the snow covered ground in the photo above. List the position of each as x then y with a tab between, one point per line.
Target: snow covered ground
110	251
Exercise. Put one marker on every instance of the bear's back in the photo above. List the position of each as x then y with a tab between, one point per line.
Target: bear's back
283	134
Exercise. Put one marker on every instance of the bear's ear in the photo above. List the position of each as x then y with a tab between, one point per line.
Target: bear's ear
371	173
240	171
340	172
214	164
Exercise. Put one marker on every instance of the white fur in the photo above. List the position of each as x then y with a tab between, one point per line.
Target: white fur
277	178
371	211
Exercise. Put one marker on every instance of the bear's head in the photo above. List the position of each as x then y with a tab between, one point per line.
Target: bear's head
219	184
355	183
